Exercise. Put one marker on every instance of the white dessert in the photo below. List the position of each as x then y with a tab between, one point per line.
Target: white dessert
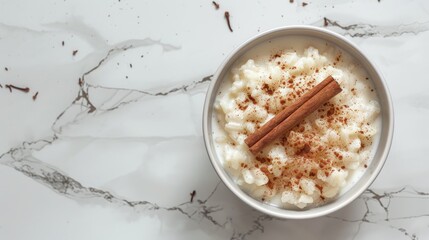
325	153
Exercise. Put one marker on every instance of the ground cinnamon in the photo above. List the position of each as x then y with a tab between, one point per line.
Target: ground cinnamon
292	116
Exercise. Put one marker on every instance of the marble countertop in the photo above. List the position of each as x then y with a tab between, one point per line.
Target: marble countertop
107	142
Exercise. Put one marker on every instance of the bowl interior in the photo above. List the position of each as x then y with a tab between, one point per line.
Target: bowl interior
381	150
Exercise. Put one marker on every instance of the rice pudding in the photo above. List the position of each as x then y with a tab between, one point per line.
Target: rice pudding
322	156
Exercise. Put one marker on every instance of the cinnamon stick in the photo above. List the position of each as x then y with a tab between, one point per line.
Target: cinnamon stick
276	120
309	106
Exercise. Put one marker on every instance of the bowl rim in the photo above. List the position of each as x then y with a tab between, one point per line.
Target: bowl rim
233	187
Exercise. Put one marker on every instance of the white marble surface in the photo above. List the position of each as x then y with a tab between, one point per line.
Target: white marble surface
116	154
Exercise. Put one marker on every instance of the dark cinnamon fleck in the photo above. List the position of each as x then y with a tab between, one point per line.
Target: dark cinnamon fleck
216	5
228	21
330	112
262	159
131	65
304	150
304	4
291	1
242	107
325	22
62	43
267	89
264	169
251	98
10	87
35	96
277	55
75	52
193	193
270	184
6	69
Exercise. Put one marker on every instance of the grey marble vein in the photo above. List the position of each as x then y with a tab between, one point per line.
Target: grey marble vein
384	200
365	30
21	160
257	226
82	104
138	94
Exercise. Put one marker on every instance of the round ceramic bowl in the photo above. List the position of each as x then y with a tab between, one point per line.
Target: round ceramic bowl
381	150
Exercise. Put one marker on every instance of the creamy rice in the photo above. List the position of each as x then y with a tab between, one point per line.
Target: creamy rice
320	156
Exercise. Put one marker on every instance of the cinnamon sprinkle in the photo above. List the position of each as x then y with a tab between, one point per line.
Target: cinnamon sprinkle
251	98
216	5
228	21
35	96
325	22
193	193
267	89
10	87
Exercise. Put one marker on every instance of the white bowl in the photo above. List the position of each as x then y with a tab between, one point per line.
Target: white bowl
381	151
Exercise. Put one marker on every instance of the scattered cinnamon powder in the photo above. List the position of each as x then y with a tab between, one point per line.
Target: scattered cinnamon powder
251	98
267	89
216	5
22	89
35	96
227	16
304	150
325	22
193	193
